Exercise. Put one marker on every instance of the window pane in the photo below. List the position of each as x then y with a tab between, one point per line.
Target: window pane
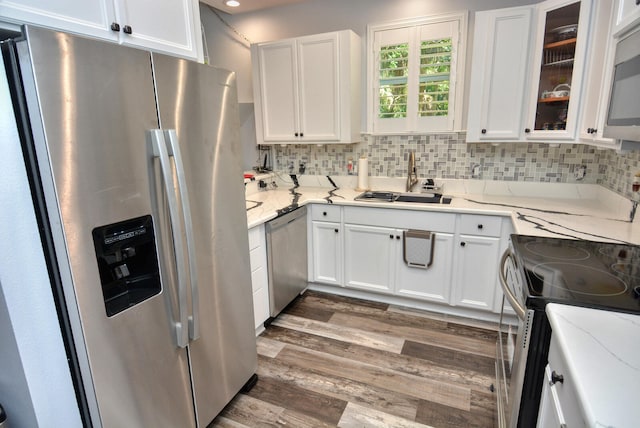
393	72
393	101
435	69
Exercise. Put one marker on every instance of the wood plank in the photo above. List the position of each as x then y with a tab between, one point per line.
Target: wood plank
335	303
268	347
370	396
450	357
402	363
223	422
356	416
253	412
375	340
444	318
443	416
467	344
415	386
301	400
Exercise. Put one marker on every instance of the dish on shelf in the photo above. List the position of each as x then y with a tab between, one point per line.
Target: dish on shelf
560	91
565	32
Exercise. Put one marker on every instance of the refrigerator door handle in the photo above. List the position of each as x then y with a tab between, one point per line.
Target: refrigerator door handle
159	148
174	150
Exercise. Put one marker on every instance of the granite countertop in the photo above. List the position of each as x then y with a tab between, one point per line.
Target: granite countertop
601	350
575	211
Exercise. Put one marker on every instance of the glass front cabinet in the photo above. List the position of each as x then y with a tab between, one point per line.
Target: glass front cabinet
558	64
527	72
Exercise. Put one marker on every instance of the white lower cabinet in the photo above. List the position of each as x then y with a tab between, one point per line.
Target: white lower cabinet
259	274
326	244
327	252
476	271
559	405
374	261
370	254
434	282
363	249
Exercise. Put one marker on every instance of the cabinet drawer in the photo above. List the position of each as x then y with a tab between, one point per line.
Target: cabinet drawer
326	213
482	225
254	236
401	219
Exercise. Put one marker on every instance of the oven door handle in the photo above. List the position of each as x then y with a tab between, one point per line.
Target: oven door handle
517	307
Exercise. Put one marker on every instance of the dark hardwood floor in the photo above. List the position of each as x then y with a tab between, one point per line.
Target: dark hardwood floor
335	361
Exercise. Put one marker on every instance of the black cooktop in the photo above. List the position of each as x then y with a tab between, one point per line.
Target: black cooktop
584	273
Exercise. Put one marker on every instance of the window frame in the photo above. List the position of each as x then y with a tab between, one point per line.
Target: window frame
409	31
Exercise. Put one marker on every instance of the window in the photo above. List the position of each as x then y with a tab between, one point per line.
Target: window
415	74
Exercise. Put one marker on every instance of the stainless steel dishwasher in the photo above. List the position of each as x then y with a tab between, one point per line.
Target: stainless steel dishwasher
286	258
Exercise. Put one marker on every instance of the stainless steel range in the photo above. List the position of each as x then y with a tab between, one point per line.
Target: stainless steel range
536	271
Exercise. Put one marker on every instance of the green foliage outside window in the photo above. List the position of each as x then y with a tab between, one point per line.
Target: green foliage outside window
435	69
394	72
434	79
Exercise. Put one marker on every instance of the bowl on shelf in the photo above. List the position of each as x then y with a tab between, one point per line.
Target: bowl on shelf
562	90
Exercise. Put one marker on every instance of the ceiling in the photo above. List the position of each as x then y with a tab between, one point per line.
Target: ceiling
248	5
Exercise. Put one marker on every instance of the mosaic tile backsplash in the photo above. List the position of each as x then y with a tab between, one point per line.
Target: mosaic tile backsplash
449	156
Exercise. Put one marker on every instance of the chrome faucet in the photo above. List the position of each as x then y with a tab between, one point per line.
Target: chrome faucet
412	177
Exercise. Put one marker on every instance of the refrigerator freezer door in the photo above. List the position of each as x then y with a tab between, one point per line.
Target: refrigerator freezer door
200	103
91	105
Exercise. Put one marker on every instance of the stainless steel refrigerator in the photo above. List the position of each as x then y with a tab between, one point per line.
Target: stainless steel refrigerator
135	172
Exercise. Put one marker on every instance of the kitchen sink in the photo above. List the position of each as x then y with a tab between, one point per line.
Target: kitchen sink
383	196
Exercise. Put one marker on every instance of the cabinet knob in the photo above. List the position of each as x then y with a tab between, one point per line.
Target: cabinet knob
462	244
391	236
397	236
484	131
302	134
555	377
296	134
480	226
127	29
324	213
115	26
527	130
594	130
335	230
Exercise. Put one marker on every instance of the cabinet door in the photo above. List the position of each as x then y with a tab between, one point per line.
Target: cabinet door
327	252
432	283
173	28
370	257
259	274
550	411
318	88
598	77
92	18
558	67
476	271
627	16
278	94
499	79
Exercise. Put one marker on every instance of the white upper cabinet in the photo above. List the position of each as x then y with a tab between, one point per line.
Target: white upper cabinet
172	28
527	72
499	81
598	77
627	16
307	89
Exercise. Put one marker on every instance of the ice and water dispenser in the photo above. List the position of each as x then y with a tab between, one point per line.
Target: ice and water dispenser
128	263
